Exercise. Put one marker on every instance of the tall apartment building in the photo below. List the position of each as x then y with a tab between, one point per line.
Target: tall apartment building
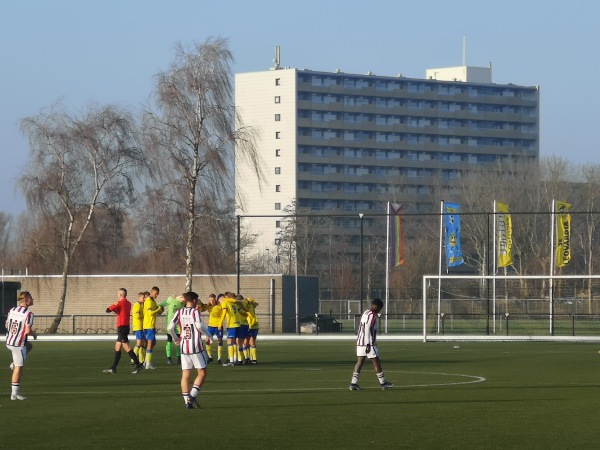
342	143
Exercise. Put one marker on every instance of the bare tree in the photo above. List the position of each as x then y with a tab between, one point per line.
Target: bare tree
191	137
5	232
72	162
590	201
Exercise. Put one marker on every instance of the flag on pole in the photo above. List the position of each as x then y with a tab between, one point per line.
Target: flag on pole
563	234
454	255
396	235
504	231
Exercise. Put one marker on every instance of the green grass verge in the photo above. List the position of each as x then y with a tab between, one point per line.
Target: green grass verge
480	395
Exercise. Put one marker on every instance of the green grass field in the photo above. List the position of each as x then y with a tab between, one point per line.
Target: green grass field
480	395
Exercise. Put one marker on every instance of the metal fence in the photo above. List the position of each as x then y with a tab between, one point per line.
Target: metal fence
348	252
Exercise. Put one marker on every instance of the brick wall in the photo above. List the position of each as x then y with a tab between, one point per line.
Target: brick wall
90	295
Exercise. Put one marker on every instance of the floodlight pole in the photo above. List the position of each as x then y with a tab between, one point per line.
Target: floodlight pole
361	261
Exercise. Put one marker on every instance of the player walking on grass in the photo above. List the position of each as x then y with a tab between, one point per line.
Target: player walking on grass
151	310
122	308
171	305
366	346
192	351
18	327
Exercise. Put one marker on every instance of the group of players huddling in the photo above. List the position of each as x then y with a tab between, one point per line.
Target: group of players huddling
227	311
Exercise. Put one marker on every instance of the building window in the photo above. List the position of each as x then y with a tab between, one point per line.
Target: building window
277	117
277	260
278	224
278	135
277	188
277	206
277	241
277	99
277	81
277	152
277	170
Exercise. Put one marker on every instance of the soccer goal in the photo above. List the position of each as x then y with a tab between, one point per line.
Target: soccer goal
529	307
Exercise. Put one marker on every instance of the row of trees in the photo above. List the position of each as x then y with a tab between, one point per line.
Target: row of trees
328	246
112	191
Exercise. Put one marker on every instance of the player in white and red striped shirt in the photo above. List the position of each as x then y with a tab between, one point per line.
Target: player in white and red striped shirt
18	327
366	346
193	355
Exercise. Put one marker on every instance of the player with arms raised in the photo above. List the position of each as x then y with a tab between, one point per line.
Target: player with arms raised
366	346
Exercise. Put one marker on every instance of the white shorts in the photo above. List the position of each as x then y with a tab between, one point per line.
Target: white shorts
361	350
194	361
19	355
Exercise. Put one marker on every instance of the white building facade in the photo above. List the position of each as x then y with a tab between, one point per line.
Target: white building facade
346	143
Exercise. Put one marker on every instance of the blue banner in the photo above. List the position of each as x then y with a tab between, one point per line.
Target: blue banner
454	255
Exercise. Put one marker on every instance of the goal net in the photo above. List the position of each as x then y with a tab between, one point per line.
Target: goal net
534	307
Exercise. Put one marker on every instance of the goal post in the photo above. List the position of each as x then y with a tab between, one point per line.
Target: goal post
526	307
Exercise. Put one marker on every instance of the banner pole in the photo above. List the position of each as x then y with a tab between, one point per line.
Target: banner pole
439	299
551	282
494	269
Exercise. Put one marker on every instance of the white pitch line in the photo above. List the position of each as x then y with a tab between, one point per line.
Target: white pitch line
475	379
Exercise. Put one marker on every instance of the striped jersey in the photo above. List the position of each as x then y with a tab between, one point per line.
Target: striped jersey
19	318
367	330
190	324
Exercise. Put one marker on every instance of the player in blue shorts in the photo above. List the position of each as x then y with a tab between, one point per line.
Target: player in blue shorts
137	321
230	311
250	306
214	318
243	355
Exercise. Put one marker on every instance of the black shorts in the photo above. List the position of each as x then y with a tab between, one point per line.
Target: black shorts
170	338
123	334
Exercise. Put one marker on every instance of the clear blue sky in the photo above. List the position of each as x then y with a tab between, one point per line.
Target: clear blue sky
81	51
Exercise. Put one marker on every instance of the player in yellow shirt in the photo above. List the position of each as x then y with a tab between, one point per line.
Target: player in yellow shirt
250	307
151	310
242	334
230	310
214	319
137	315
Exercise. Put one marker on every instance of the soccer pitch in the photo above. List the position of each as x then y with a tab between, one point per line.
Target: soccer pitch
479	395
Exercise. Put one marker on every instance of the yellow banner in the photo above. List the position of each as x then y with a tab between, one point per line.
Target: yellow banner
504	232
563	234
